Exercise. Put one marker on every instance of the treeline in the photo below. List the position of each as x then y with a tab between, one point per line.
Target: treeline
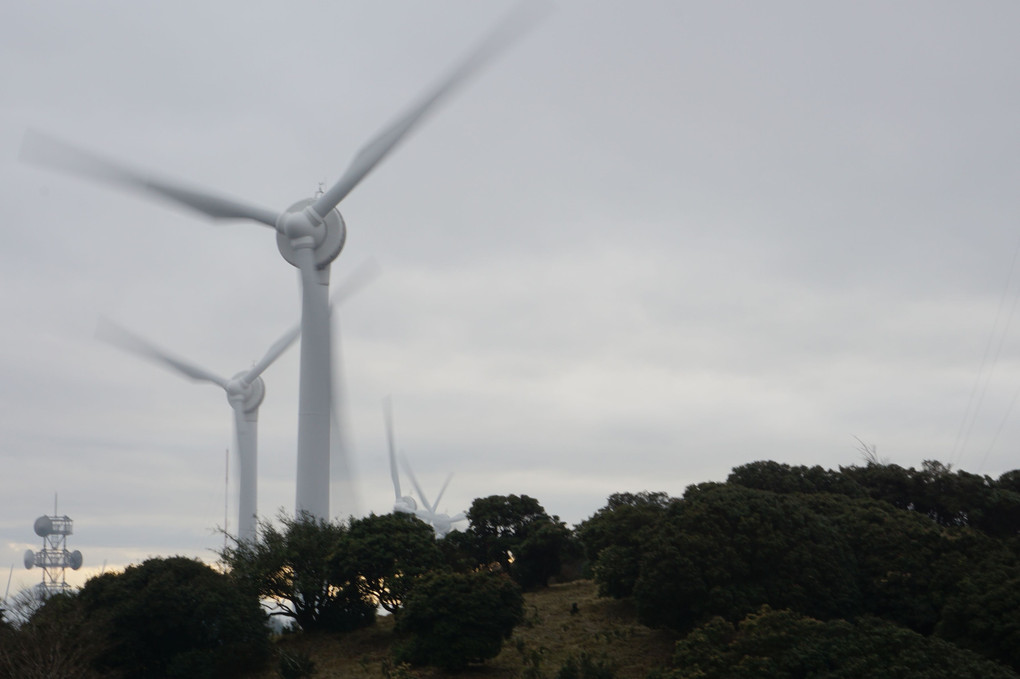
781	571
455	600
784	571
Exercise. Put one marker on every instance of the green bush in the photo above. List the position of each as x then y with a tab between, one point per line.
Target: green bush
453	619
175	617
783	644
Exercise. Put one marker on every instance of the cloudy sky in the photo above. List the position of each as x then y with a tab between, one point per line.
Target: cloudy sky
651	242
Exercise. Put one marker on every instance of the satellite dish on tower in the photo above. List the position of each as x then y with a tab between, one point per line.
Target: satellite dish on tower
54	558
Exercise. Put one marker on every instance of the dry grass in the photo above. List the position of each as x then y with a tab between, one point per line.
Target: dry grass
602	628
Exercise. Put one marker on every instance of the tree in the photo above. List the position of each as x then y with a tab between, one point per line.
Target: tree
949	498
782	478
499	531
385	554
453	619
726	550
297	570
983	614
543	554
54	641
782	644
613	538
175	617
905	563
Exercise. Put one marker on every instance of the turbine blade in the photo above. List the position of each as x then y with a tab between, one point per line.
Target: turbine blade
110	332
442	490
41	149
356	281
459	516
414	482
275	351
342	471
372	153
388	418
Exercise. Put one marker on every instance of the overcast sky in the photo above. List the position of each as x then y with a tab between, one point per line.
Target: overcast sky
651	242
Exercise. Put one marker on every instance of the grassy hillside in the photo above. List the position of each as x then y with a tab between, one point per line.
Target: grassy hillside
602	628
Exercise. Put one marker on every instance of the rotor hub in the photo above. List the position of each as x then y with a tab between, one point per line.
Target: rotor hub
299	227
405	504
250	395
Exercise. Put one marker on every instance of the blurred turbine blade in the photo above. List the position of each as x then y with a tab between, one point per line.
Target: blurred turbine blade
41	149
414	482
110	332
442	490
343	485
356	281
372	153
275	351
388	418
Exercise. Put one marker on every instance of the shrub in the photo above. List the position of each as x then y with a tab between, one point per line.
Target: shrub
453	619
296	665
175	617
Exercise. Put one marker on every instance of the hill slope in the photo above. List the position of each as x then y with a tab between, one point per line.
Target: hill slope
602	628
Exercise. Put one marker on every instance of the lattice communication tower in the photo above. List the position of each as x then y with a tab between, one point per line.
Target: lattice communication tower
54	559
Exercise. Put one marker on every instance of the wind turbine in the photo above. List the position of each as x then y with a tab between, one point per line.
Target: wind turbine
441	523
245	392
309	234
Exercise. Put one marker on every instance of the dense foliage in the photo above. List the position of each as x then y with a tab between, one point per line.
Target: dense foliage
783	645
614	537
949	498
174	617
781	571
516	533
385	554
453	619
298	570
931	551
55	641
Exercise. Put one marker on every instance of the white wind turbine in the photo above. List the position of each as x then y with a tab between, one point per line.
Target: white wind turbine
309	234
245	392
441	523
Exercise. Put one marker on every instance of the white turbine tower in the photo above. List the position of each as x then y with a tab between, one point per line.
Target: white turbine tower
245	392
441	523
309	234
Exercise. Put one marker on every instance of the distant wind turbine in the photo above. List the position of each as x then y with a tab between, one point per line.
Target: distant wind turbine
245	392
441	523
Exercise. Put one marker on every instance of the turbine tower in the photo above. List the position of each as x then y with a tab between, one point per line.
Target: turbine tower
245	392
309	234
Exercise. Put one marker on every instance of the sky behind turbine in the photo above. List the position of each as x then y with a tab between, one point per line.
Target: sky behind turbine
650	242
